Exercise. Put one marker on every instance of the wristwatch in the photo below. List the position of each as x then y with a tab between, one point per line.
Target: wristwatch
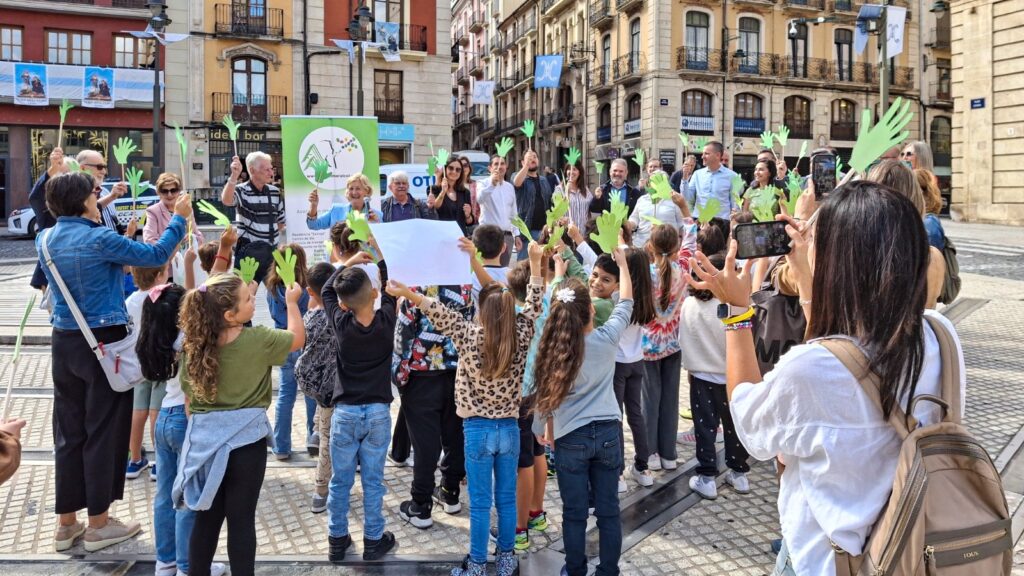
726	311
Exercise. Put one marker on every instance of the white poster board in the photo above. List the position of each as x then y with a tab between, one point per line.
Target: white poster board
423	252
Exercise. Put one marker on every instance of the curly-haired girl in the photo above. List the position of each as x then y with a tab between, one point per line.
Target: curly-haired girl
225	374
578	358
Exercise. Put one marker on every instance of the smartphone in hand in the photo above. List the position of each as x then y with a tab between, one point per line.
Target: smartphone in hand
823	174
761	239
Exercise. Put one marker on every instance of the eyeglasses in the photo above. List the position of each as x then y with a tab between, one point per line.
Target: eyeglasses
907	154
169	191
454	167
96	166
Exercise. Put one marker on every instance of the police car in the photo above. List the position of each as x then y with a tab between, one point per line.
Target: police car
23	220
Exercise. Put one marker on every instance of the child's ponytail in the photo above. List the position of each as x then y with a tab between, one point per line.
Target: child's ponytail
202	320
497	309
560	352
158	333
665	245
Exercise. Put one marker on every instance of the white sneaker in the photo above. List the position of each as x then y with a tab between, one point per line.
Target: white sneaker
738	482
166	568
216	569
705	486
622	485
642	477
654	462
669	464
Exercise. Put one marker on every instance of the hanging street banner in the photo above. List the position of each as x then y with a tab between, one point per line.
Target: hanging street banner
547	71
349	145
30	85
98	87
387	40
483	92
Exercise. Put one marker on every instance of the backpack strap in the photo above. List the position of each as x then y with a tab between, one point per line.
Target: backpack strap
857	363
950	370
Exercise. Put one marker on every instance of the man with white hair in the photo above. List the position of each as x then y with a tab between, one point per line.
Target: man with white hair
400	205
259	210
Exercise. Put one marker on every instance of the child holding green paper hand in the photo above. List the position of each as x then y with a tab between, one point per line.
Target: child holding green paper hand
225	375
357	192
344	248
276	288
654	207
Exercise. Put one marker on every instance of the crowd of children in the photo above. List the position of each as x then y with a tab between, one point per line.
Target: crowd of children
546	356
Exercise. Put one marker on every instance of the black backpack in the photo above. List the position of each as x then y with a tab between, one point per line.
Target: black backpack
951	282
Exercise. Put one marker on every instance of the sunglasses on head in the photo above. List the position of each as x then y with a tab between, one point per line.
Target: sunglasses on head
169	191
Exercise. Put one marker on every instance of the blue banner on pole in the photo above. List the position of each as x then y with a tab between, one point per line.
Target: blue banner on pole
547	71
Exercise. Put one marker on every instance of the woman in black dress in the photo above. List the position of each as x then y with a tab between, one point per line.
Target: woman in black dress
450	197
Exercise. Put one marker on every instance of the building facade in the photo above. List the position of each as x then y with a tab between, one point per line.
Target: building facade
935	121
988	116
637	72
82	53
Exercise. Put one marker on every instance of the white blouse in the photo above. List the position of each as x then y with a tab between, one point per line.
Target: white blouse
840	454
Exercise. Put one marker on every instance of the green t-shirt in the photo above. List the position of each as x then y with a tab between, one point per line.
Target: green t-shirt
602	310
244	374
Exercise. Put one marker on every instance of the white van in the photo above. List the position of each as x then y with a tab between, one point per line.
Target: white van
480	161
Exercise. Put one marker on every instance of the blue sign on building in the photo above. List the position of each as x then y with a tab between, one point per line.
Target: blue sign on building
396	132
748	125
977	103
604	134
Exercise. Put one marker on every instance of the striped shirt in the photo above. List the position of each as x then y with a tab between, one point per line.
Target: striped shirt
579	206
258	213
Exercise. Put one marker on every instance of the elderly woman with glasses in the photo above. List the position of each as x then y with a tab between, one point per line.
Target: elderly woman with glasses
159	214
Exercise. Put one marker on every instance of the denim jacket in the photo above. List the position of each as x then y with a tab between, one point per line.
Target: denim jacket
90	258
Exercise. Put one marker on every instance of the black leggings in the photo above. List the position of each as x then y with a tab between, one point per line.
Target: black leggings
236	500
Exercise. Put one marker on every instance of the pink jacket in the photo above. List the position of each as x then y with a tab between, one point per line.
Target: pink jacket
157	218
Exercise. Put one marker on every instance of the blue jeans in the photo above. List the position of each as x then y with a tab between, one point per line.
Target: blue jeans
589	459
783	563
286	392
524	253
492	456
172	527
359	434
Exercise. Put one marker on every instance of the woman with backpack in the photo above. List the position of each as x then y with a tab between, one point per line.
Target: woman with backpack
839	444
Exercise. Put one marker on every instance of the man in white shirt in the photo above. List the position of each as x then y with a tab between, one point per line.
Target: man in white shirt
714	180
497	200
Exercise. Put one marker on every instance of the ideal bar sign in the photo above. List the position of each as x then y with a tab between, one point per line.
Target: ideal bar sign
243	135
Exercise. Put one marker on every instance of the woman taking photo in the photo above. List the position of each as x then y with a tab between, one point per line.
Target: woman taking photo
874	296
575	188
91	422
450	198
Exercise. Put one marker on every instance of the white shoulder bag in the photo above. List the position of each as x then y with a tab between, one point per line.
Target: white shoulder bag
119	360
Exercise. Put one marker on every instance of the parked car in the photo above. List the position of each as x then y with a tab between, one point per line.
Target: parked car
23	220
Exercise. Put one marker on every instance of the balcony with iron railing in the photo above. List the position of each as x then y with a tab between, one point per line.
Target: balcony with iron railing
816	69
249	20
799	127
550	5
755	64
813	5
497	44
756	2
389	110
476	113
853	72
938	38
843	6
628	6
903	77
462	117
528	26
411	37
476	67
460	35
601	78
140	4
251	109
940	92
477	19
510	40
601	15
461	75
630	67
562	116
843	131
699	60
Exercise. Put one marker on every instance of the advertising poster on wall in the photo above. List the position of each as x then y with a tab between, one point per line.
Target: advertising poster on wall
98	87
349	145
30	86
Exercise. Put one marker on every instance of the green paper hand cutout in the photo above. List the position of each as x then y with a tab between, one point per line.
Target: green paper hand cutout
556	236
248	268
559	208
231	125
793	186
654	221
219	218
573	156
873	141
659	188
430	143
142	221
179	134
73	165
523	228
737	189
803	151
65	106
359	225
839	166
783	135
442	157
599	166
21	329
123	149
702	142
505	146
134	178
431	166
767	139
321	171
762	203
685	139
709	210
607	235
639	157
619	209
528	128
479	257
286	266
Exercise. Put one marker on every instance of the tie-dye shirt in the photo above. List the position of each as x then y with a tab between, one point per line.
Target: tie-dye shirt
661	335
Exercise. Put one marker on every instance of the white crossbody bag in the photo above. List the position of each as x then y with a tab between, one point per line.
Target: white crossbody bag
119	360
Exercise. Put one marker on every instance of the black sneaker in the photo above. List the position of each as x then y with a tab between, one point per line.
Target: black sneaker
376	549
449	502
416	514
337	547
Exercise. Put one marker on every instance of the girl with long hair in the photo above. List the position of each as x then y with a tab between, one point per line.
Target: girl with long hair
629	367
874	296
225	374
932	208
470	184
288	387
159	347
574	357
492	359
661	348
450	197
575	188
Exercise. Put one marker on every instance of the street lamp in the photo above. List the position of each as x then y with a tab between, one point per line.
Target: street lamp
158	22
359	31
